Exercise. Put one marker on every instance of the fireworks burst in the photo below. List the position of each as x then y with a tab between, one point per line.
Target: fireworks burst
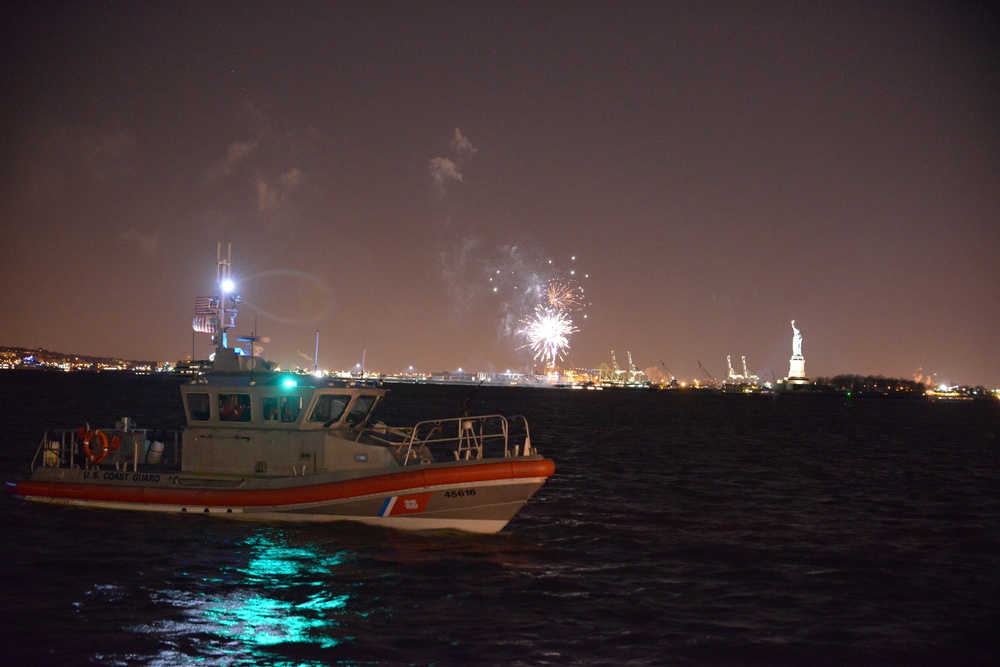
526	284
564	295
548	333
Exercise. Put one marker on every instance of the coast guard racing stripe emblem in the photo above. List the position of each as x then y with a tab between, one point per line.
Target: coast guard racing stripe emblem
412	504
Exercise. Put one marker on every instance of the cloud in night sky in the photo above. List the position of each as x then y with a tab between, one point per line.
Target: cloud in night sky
269	197
238	152
446	169
443	169
462	146
66	155
148	243
105	157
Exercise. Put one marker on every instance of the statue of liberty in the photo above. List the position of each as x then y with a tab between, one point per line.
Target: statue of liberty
796	341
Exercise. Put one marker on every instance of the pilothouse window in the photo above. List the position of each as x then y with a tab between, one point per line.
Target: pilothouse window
234	407
198	407
360	409
282	408
329	408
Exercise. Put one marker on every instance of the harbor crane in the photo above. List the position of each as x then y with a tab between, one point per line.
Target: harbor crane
735	378
708	376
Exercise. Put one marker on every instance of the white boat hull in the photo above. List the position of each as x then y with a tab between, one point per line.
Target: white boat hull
478	497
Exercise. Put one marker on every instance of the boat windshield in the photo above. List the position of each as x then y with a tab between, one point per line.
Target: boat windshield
329	408
362	406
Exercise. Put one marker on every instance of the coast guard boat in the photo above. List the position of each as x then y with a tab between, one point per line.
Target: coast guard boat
265	445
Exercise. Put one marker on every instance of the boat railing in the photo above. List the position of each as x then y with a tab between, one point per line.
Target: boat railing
122	448
458	439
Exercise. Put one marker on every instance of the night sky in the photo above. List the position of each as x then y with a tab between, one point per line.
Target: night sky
716	170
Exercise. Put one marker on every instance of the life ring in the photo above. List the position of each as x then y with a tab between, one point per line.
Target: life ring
96	455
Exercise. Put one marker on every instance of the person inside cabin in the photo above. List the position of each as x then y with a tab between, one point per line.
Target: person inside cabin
233	409
270	408
227	411
243	408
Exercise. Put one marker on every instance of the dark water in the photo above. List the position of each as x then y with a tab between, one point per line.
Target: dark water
679	530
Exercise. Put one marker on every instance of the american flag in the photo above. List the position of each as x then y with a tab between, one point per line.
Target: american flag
206	324
205	305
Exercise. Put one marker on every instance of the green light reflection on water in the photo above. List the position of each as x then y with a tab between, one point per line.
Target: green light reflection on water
271	561
270	602
266	621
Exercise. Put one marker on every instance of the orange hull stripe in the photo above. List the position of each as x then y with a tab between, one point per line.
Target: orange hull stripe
383	484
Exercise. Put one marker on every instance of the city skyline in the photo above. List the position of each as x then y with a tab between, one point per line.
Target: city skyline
400	177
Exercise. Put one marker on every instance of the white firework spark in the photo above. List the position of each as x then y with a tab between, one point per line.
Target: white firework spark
548	334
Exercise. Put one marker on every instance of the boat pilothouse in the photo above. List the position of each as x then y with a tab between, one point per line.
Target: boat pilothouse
261	444
275	426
